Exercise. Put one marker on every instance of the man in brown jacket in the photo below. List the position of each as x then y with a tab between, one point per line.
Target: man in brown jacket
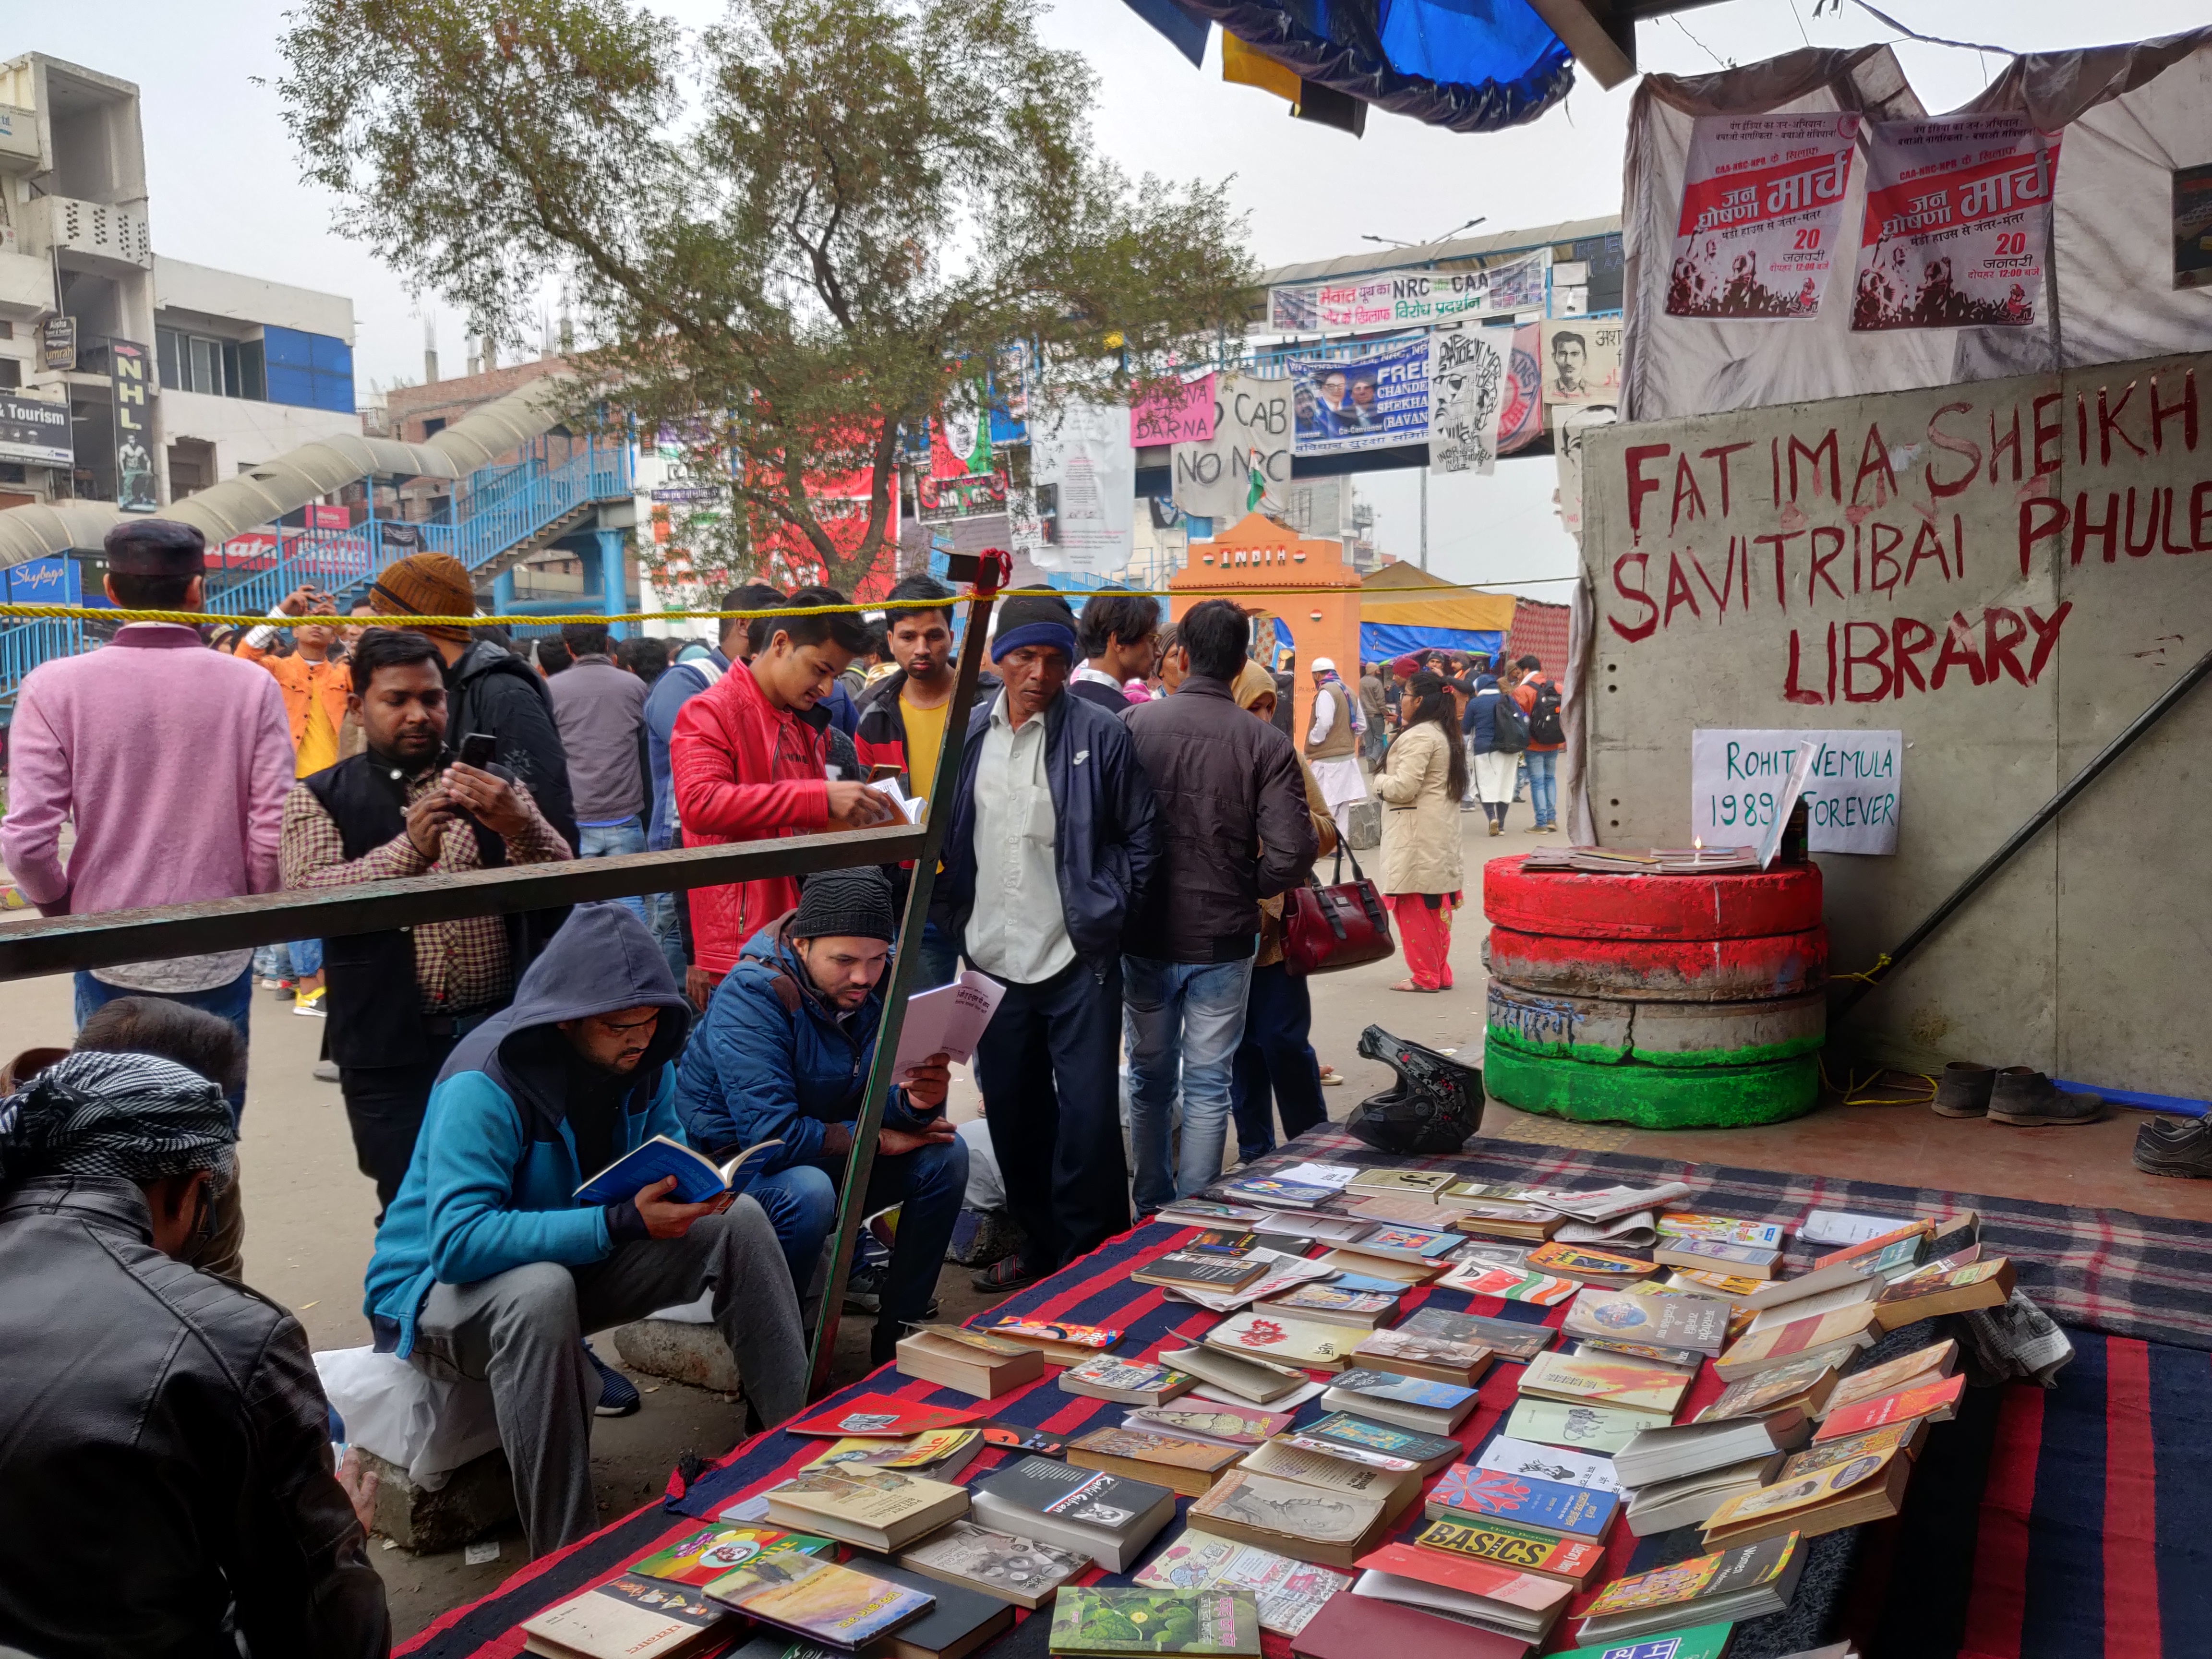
1231	822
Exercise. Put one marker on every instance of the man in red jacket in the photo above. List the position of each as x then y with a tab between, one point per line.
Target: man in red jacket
745	767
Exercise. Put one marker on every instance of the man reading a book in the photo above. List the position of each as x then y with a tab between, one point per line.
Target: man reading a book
783	1052
487	1265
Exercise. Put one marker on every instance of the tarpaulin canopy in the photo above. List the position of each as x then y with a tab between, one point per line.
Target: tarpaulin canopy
1403	608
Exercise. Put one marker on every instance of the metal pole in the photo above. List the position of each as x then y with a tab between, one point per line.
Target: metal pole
2028	832
1425	516
861	1162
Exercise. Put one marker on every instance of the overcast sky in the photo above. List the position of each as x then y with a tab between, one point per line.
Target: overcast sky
225	189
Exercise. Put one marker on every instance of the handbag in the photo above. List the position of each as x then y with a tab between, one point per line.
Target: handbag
1339	926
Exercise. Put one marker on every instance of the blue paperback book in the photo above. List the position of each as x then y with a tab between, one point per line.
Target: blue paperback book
1406	1390
698	1177
1367	1282
1464	1492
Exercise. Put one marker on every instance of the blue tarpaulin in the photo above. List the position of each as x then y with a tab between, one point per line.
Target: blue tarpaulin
1379	641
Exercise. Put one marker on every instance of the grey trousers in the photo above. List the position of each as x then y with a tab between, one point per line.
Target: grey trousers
521	1331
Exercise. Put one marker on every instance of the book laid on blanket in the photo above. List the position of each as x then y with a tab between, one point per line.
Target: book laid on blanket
1812	1307
947	1021
1290	1517
1206	1213
1524	1604
1412	1402
1465	1493
1211	1421
1868	1488
1400	1183
1480	1278
1928	1364
1573	1561
880	1417
1285	1341
1277	1193
1679	1450
1603	1380
1748	1582
1187	1465
1589	1265
1679	1329
1719	1255
1689	1500
974	1362
1579	1426
1310	1226
1423	1353
1359	1627
1416	1246
1921	1228
1062	1344
1940	1288
1288	1592
712	1551
1340	1434
1504	1218
1341	1261
961	1622
1110	1517
698	1177
1101	1623
1130	1382
875	1509
1246	1376
1394	1489
1722	1229
1937	1400
1907	1438
1359	1309
1516	1340
809	1596
1698	1641
1404	1210
935	1455
1804	1384
1510	1454
1026	1571
1853	1326
1204	1269
625	1616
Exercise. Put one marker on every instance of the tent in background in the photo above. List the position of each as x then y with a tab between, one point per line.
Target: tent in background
1403	608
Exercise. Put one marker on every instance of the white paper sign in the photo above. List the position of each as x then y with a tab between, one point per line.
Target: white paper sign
1738	780
1083	451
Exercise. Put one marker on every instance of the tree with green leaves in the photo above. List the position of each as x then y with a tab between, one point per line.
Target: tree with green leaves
787	235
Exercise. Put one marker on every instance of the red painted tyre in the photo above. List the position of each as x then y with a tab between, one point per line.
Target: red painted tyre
1667	970
1579	904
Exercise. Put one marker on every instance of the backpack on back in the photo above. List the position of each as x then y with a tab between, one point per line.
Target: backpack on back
1544	725
1509	727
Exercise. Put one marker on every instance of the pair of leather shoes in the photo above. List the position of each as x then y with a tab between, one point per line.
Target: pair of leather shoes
2018	1095
2175	1146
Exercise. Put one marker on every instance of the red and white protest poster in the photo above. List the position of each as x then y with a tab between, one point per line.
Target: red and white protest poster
1762	208
1956	213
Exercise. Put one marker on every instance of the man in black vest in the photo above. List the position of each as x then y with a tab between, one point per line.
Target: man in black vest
399	1000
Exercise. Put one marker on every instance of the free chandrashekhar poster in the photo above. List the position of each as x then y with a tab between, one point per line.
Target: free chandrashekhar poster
1957	209
1762	211
1374	403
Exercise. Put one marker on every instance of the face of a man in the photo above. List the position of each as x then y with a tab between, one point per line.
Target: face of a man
1569	358
797	676
614	1042
403	715
922	644
1331	391
1034	675
844	970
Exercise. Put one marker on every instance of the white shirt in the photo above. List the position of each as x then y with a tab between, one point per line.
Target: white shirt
1096	676
1017	931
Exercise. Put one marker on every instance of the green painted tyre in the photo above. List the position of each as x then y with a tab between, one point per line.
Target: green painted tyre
1652	1097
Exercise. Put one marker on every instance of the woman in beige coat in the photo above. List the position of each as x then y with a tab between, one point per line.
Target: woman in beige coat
1423	776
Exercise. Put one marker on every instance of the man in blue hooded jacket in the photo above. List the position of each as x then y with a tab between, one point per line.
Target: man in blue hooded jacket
783	1055
486	1267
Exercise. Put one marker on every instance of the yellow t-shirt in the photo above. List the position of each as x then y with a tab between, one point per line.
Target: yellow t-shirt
925	737
319	743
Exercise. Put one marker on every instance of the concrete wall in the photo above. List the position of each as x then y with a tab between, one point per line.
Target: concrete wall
179	286
244	432
2033	552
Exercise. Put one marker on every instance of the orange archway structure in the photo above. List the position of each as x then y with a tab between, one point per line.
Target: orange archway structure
1262	553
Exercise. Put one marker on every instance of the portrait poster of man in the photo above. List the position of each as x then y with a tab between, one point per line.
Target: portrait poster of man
1580	358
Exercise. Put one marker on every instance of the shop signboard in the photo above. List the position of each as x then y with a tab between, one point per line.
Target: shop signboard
130	380
44	581
35	432
57	344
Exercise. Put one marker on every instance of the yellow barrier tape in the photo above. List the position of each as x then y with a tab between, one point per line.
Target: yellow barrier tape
1880	962
1849	1094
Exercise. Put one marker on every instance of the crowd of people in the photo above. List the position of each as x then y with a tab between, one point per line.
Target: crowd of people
1131	807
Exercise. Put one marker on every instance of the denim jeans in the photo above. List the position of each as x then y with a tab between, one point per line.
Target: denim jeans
232	1002
939	963
929	1186
1277	1069
661	919
606	840
1544	784
1195	1010
307	956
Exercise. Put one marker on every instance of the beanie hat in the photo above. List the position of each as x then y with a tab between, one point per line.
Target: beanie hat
845	904
426	585
1033	615
155	547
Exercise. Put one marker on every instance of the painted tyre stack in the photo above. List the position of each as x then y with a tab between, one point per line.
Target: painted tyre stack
1669	1002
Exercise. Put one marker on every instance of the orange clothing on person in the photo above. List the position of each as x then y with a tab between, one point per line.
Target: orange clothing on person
1525	695
311	690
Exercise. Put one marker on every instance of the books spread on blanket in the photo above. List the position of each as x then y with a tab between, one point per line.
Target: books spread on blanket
1290	1518
1913	1233
1763	1349
1204	1212
1416	1245
1335	1177
1466	1492
1480	1278
1404	1210
935	1455
1689	1500
1720	1256
1277	1193
1866	1488
1806	1285
1907	1438
1412	1402
1241	1426
1520	1603
1394	1489
1131	1381
1332	1305
1187	1465
625	1616
1285	1341
1340	1434
1205	1270
1421	1353
1812	1307
1804	1382
1307	1225
1722	1229
1573	1561
1923	1295
875	1509
1288	1592
1599	1379
1579	1427
843	1606
1679	1450
1059	1343
1409	1183
1928	1364
1341	1260
1501	1217
1698	1641
1026	1571
1247	1377
1938	1398
948	1020
975	1362
1103	1622
1360	1627
1629	1232
698	1177
1748	1583
1281	1271
961	1620
1510	1454
1109	1517
880	1417
1517	1339
1590	1266
712	1551
1679	1329
1606	1202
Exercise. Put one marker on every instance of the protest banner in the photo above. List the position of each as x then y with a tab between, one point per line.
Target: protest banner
940	500
1522	422
1958	213
1581	363
1398	298
1245	467
1080	452
1377	402
1467	388
1739	781
1762	210
1567	447
1174	414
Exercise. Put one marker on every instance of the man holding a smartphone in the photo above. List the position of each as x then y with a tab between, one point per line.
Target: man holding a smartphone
400	1000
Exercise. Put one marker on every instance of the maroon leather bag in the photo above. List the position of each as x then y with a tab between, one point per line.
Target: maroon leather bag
1339	926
